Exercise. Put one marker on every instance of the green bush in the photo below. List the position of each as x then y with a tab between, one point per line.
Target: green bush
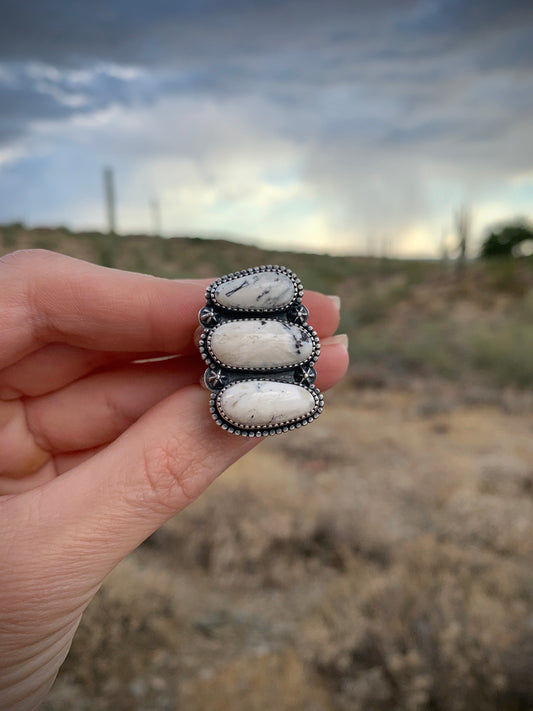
503	242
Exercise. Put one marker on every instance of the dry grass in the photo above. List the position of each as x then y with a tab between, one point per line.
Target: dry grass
376	560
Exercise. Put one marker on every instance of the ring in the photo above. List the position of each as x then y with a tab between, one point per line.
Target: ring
260	352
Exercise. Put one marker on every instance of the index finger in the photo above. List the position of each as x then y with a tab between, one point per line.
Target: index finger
50	298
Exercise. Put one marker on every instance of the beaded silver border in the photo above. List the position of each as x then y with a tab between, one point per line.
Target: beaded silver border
298	288
211	359
219	376
243	430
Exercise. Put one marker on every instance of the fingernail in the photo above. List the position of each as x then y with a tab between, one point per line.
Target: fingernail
340	338
336	300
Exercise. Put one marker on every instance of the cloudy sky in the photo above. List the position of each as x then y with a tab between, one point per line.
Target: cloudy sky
328	125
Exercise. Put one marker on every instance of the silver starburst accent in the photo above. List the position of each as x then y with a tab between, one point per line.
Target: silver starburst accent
208	316
305	375
298	313
215	379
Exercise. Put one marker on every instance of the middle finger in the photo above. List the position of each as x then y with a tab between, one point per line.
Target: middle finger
56	365
96	409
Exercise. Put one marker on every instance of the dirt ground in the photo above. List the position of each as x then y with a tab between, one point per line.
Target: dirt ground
379	558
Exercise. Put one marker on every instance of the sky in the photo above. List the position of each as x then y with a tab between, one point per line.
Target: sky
355	127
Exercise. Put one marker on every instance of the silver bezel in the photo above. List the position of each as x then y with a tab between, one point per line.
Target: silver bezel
238	428
212	360
298	289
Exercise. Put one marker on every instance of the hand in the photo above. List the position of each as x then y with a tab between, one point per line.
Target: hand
97	450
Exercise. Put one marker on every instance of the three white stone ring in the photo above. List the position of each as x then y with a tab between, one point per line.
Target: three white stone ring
260	352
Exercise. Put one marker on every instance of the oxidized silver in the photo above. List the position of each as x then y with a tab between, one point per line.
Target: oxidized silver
260	352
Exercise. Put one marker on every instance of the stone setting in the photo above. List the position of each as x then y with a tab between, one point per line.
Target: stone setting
260	352
263	289
261	344
266	404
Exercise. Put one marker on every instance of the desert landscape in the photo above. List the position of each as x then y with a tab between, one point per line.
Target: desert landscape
378	559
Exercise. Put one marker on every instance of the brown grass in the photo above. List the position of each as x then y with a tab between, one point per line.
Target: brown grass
375	560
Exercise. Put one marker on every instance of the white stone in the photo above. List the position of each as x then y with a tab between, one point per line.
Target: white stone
260	343
257	292
265	403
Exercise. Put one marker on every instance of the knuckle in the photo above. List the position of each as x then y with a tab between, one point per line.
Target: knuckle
170	472
18	299
13	277
118	412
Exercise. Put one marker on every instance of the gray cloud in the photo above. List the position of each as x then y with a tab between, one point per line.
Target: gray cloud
401	55
376	96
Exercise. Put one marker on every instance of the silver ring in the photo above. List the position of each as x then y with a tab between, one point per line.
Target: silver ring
260	352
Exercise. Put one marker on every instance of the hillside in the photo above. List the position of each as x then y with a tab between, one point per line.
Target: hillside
377	560
408	318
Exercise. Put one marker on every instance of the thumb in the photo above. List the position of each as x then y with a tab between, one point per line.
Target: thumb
101	510
60	540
